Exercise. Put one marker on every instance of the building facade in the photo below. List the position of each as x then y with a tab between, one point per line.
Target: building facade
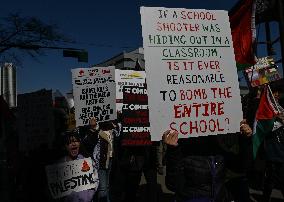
8	87
36	120
133	60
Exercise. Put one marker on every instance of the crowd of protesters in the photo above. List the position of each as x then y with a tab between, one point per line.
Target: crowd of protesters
209	168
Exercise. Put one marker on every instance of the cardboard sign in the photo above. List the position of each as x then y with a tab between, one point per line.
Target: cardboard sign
94	94
71	176
127	78
191	72
135	112
264	71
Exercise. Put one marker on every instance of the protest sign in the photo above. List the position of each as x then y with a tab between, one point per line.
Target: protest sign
127	78
135	113
191	72
264	71
94	94
72	176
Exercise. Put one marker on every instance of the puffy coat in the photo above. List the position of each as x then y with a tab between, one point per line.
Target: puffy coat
196	168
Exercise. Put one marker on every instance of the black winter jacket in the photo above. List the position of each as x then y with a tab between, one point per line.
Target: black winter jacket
188	165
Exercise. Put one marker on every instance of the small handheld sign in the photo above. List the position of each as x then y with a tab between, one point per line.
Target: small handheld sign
72	176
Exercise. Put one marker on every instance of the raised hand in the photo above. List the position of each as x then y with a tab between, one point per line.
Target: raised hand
245	128
170	137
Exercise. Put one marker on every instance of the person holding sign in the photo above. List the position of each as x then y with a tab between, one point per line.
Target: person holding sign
274	149
89	135
196	166
72	148
97	143
106	154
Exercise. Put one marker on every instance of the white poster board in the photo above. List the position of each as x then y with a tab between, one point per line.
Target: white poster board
191	72
94	94
127	78
71	176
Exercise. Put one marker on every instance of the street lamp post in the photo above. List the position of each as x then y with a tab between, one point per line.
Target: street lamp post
82	55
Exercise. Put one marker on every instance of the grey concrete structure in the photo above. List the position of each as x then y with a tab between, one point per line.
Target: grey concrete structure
8	84
133	60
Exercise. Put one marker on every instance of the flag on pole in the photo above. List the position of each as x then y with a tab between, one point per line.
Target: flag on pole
264	119
242	20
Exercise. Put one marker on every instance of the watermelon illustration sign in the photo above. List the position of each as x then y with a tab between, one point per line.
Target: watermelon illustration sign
72	176
191	72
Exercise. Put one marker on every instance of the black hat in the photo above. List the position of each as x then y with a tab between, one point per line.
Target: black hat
67	135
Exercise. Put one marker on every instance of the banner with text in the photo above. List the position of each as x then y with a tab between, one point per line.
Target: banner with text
191	72
264	71
135	113
127	78
94	94
77	175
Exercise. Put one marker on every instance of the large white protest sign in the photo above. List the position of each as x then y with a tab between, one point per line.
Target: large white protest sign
71	176
191	72
94	94
127	78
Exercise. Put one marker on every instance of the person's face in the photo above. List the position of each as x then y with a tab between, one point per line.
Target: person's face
93	123
73	147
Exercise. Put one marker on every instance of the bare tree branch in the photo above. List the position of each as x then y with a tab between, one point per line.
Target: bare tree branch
28	35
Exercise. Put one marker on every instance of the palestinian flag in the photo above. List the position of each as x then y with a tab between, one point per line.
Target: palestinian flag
242	20
264	118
